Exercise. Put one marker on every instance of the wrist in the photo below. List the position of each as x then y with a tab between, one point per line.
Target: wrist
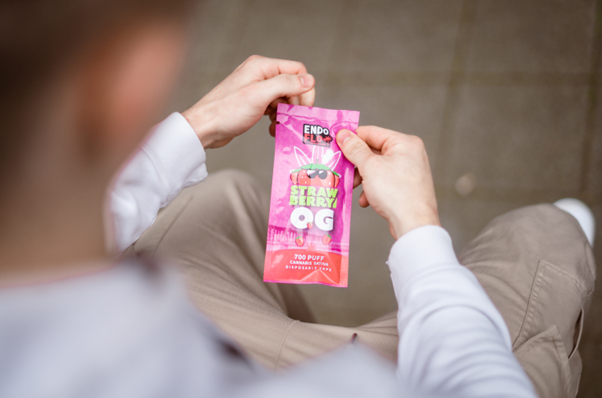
200	120
402	225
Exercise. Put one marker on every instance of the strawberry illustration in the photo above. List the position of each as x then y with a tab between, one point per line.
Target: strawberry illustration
316	175
317	170
299	241
326	239
310	225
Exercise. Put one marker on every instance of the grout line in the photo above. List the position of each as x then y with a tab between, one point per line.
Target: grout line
590	116
462	47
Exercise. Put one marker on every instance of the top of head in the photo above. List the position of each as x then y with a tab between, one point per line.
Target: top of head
40	40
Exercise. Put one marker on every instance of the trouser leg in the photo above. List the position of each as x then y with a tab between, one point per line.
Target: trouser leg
534	263
537	267
216	232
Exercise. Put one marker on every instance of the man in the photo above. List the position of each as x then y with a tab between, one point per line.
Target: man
77	323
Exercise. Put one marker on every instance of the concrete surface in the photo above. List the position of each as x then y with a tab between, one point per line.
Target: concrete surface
506	93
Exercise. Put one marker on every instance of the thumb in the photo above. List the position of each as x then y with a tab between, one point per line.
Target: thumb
353	147
283	85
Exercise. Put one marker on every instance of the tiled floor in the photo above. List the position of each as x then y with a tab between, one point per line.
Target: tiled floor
507	92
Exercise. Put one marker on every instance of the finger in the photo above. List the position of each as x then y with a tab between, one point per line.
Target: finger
271	67
294	100
357	178
272	109
269	110
274	104
273	116
273	129
363	200
308	98
376	137
353	147
280	86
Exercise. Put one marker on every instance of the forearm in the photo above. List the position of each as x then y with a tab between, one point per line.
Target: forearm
452	338
171	159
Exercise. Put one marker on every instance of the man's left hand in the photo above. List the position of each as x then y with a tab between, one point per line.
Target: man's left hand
254	89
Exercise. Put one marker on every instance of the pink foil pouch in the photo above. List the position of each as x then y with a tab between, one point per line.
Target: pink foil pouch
310	207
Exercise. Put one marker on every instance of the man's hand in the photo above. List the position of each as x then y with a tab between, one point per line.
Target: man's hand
395	173
254	89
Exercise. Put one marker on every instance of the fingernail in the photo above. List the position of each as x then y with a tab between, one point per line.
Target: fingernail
343	136
305	80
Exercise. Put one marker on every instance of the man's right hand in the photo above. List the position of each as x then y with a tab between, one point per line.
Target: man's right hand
395	173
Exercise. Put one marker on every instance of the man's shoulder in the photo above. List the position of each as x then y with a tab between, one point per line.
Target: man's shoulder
125	328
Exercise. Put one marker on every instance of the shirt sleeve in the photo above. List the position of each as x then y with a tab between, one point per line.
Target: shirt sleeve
170	160
452	339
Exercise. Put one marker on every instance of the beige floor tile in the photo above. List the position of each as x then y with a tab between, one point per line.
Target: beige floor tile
392	35
214	37
594	174
532	36
416	110
526	138
190	89
304	31
327	94
217	30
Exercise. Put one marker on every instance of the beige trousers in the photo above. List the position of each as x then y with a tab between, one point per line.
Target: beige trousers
535	264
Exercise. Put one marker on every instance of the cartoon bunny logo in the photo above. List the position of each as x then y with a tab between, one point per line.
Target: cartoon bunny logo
317	171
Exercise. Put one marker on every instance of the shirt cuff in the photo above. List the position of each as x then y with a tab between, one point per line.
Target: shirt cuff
419	251
177	152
